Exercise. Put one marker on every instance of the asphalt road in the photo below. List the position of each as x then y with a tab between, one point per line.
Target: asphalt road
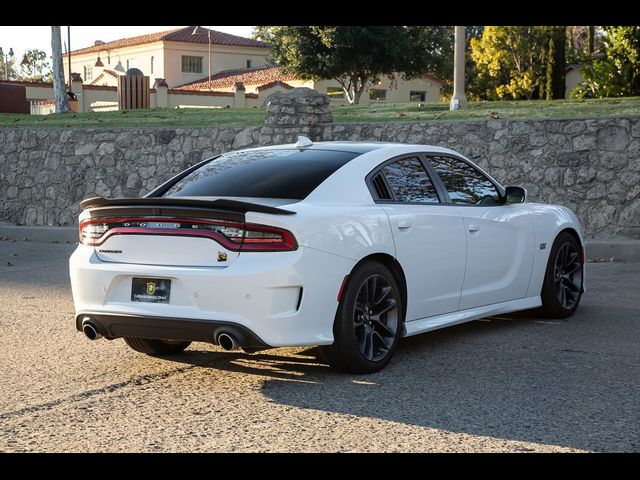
511	384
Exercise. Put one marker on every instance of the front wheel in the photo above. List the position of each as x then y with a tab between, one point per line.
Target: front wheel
156	347
368	322
562	287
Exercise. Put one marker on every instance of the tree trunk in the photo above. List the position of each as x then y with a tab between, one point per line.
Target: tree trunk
62	102
591	34
559	62
551	58
357	93
359	85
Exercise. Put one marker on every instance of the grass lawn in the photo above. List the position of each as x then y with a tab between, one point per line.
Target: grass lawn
197	117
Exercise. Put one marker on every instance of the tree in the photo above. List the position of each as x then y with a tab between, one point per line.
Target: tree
582	43
37	68
616	72
556	63
352	55
10	67
622	48
61	100
510	60
520	62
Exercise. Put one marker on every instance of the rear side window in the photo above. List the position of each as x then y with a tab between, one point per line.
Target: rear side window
409	182
262	174
466	185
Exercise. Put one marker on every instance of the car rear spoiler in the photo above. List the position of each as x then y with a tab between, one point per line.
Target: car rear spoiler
166	202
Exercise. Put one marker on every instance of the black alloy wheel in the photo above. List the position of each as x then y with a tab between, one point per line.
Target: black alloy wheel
368	321
567	275
562	287
375	317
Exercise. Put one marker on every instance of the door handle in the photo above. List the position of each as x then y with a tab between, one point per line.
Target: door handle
404	224
473	228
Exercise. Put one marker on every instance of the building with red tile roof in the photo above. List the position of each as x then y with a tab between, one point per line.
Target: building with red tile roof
179	56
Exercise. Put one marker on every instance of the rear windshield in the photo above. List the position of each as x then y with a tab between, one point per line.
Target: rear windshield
261	173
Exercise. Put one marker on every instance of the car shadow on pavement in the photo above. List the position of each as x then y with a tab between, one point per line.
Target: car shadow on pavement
506	377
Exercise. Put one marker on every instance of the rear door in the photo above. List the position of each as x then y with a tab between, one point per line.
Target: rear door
429	238
500	237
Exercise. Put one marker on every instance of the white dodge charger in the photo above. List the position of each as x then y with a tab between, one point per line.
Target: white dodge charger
345	245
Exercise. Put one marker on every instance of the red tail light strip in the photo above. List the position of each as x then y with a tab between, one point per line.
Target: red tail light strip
279	239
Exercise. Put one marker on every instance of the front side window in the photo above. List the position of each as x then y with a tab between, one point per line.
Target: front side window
409	182
378	94
466	185
278	173
191	64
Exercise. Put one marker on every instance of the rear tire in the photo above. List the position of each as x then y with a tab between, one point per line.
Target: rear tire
562	287
156	347
368	322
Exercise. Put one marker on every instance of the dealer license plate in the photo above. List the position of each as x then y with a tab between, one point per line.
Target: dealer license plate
152	290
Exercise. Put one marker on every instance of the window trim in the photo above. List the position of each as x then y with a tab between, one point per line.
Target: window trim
393	201
449	202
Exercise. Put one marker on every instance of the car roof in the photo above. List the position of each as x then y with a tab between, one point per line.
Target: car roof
356	147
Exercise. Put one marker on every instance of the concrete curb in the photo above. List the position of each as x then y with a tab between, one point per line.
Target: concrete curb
40	234
619	250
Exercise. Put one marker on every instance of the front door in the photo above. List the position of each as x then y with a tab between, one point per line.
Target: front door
429	237
500	237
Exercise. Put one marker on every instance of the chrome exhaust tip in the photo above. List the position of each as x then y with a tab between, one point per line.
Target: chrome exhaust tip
90	330
227	341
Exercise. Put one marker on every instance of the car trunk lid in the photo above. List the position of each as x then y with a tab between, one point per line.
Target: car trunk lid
168	231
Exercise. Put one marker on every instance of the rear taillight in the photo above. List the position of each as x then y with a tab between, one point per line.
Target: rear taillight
237	237
260	238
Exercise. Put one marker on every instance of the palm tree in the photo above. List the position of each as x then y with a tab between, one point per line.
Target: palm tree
62	103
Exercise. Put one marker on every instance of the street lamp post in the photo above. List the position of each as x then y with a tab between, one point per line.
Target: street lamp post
5	57
459	99
69	54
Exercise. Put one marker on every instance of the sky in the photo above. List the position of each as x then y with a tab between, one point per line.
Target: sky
25	38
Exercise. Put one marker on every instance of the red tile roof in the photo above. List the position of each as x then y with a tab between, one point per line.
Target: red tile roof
248	76
179	35
434	79
263	77
267	86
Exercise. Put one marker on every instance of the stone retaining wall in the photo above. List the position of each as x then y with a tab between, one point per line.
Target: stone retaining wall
590	165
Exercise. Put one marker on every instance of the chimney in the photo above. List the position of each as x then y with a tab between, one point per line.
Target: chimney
98	42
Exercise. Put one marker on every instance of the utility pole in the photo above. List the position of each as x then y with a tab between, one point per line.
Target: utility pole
62	102
459	99
69	53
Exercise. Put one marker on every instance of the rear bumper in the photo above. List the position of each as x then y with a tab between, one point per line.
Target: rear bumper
282	298
162	328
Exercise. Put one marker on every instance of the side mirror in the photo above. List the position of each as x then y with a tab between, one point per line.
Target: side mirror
515	195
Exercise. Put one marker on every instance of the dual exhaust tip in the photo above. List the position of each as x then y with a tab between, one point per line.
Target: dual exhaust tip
90	330
225	339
